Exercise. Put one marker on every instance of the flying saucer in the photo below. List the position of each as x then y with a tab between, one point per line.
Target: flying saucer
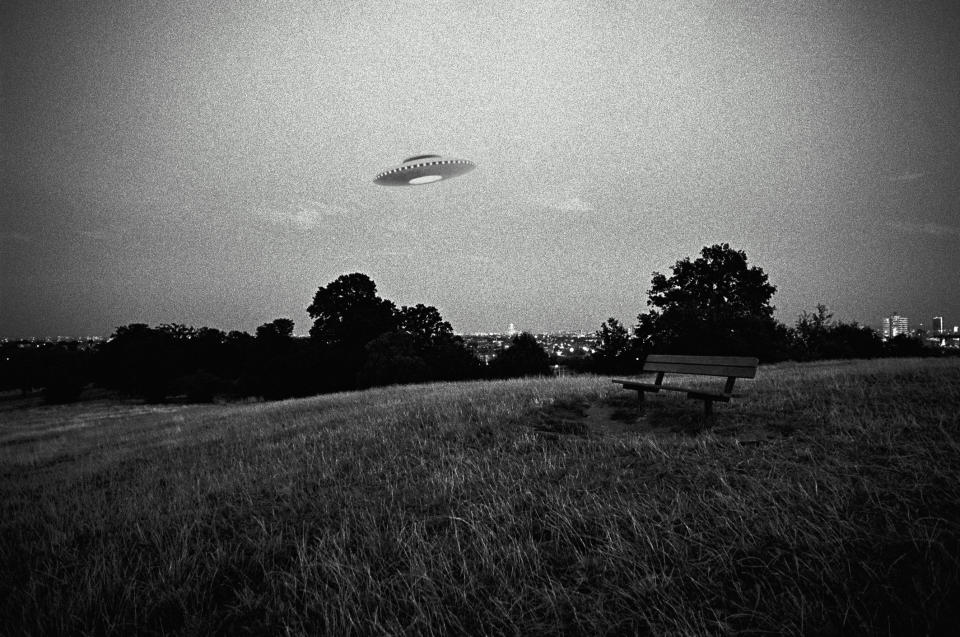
423	169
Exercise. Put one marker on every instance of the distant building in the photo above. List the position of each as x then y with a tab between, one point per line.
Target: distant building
895	325
938	324
512	331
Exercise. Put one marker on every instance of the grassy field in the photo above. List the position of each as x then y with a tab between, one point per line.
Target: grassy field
826	501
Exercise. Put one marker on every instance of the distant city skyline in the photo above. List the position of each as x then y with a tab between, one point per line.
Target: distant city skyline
213	164
511	329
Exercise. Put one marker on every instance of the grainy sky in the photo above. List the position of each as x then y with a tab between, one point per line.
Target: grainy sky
211	163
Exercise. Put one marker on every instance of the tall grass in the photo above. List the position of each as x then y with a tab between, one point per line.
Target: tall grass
826	501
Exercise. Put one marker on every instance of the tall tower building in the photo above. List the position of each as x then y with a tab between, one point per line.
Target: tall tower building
895	325
937	324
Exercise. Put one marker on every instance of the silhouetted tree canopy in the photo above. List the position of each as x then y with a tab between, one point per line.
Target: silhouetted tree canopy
717	286
616	350
348	312
715	304
903	345
423	323
277	330
817	336
143	361
393	358
377	343
523	357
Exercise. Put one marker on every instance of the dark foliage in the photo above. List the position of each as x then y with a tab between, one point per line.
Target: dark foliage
277	332
64	374
817	336
348	313
903	345
393	358
523	357
450	359
716	304
717	287
357	340
617	352
143	361
61	370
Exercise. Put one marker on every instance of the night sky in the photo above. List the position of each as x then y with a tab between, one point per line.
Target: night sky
208	164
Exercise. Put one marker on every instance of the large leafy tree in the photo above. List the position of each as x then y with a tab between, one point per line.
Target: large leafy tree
424	323
444	353
719	285
368	338
716	303
348	312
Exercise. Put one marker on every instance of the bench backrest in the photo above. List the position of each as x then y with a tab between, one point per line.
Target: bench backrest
729	366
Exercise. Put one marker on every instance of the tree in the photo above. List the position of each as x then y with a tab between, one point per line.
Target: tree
348	313
393	358
904	345
451	359
446	356
851	340
277	330
177	331
714	304
370	341
143	361
523	357
817	336
423	323
615	348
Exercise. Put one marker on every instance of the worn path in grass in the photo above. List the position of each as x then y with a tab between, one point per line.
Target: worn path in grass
825	501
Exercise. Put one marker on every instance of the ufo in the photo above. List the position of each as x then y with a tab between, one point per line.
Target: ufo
423	169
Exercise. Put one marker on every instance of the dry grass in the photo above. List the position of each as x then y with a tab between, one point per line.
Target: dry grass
827	501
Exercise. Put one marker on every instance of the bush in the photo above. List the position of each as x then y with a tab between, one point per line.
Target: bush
201	386
63	386
392	359
523	357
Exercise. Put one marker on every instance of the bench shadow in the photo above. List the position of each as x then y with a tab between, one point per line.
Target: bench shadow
663	415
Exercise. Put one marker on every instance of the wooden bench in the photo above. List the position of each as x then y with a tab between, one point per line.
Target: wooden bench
731	367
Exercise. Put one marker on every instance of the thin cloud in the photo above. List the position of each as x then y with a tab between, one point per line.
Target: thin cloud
934	229
908	177
304	215
573	204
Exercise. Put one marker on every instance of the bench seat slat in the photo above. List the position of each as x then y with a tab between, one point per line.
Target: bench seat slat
731	367
734	361
691	390
702	370
651	387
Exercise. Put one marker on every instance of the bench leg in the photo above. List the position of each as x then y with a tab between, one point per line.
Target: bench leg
640	400
708	407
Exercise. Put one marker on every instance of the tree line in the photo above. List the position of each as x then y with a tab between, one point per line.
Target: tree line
714	304
718	304
357	340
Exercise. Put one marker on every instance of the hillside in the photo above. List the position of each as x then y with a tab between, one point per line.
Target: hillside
826	501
